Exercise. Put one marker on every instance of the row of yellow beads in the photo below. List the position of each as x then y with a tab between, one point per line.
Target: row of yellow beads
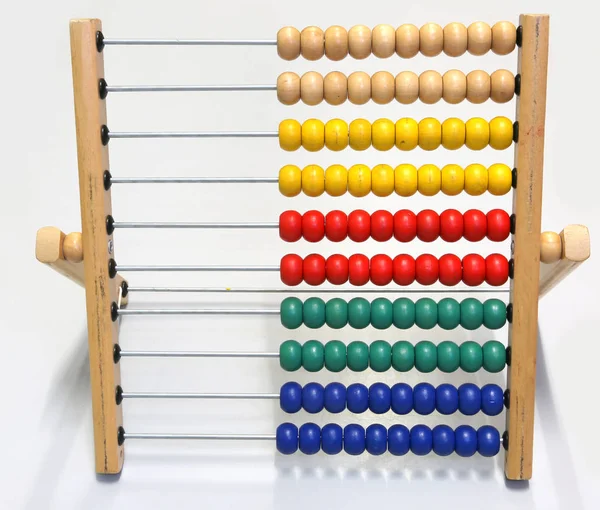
405	180
406	134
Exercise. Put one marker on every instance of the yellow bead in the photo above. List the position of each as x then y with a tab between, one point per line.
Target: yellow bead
430	134
313	135
407	134
453	134
478	134
336	180
382	180
290	135
429	180
476	179
383	134
499	179
290	180
453	180
360	134
359	180
336	135
405	180
501	133
313	180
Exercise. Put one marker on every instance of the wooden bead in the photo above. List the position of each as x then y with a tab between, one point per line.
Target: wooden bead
288	88
502	86
383	87
336	43
311	88
407	41
455	39
407	87
73	247
479	38
288	43
359	88
454	86
359	42
504	38
431	39
335	88
384	41
430	87
478	87
550	247
312	43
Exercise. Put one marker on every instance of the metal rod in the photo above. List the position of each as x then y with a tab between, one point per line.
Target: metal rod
207	396
188	88
194	180
197	268
190	42
216	437
193	134
198	311
174	224
312	290
196	354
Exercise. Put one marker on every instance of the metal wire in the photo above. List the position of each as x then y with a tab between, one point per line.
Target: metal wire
194	180
193	134
207	396
216	437
179	268
313	290
198	311
196	354
204	225
190	42
188	88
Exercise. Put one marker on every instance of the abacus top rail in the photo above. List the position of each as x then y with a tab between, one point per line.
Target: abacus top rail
188	88
207	396
193	134
194	180
183	268
312	290
216	437
189	42
196	354
207	225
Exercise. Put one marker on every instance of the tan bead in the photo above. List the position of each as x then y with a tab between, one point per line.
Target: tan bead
359	42
335	88
407	87
479	38
502	86
384	41
288	88
478	87
550	247
312	43
311	88
383	87
359	88
288	43
431	39
73	247
504	38
454	86
430	87
336	43
455	39
407	41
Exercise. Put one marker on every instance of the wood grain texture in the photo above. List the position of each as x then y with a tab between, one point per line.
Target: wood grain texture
49	250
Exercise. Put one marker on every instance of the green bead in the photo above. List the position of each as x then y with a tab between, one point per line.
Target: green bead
426	314
381	313
290	355
494	356
359	313
471	356
448	313
425	356
380	356
403	356
314	313
291	313
448	356
471	313
313	356
336	313
404	313
358	356
335	356
494	314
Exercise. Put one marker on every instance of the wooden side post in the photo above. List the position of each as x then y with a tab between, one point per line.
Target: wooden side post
527	207
101	290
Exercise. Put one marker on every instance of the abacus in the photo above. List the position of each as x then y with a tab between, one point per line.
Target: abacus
89	257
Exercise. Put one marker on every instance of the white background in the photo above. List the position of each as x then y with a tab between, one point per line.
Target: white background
47	454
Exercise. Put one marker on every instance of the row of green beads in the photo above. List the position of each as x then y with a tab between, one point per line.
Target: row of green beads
403	313
402	356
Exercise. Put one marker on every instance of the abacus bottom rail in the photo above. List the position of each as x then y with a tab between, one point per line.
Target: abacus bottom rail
194	180
189	42
188	88
196	354
198	311
194	225
206	396
216	437
182	268
193	134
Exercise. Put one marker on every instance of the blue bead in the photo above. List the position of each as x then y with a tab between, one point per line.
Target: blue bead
421	441
424	398
488	441
469	399
380	398
354	439
376	439
357	398
466	440
286	438
398	440
331	438
443	440
335	397
310	438
446	399
492	399
313	397
402	398
290	397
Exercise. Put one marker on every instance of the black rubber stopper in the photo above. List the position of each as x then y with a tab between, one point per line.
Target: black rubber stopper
117	353
520	36
107	180
513	224
121	436
102	88
104	134
505	440
110	224
99	41
516	131
508	355
112	268
509	312
114	311
511	268
124	289
518	84
119	395
514	178
507	398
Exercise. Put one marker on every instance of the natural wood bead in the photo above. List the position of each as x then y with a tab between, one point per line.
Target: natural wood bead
407	87
359	88
454	86
383	87
359	42
430	87
407	40
311	88
384	41
288	43
478	87
312	43
73	247
504	38
502	86
336	43
431	39
550	247
288	88
335	88
455	39
479	38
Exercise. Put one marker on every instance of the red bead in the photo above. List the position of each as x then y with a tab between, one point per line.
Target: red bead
498	225
475	225
358	269
313	226
473	273
314	269
404	270
428	225
381	270
337	269
426	269
290	269
450	270
336	226
451	225
405	226
290	226
382	226
496	269
359	225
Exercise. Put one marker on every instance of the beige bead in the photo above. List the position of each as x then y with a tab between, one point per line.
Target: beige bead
73	247
288	43
359	42
478	87
383	87
407	87
359	88
504	38
335	88
312	43
550	247
431	39
288	88
479	38
384	41
455	39
454	86
502	86
430	87
311	88
407	41
336	43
